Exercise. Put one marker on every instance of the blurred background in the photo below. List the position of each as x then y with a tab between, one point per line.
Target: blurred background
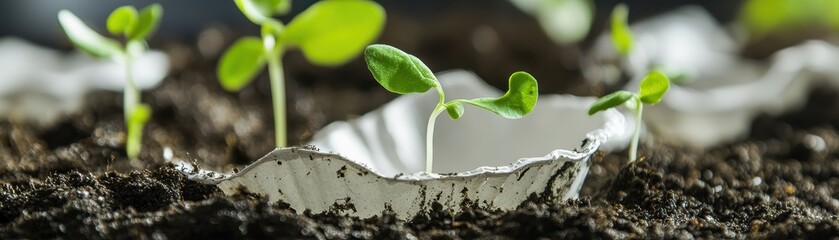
557	41
35	19
491	37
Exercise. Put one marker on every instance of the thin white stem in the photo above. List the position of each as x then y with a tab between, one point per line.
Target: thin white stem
131	95
633	145
275	72
429	130
429	137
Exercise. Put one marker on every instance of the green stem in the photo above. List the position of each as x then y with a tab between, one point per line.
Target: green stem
131	98
275	71
633	145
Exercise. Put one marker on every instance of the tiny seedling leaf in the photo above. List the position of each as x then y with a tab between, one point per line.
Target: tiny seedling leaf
240	63
398	71
271	7
454	109
517	102
653	87
621	35
122	20
610	101
331	32
136	121
259	11
146	23
85	38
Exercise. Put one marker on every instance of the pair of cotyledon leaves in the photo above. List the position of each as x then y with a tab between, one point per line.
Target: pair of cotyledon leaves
402	73
653	87
135	25
329	33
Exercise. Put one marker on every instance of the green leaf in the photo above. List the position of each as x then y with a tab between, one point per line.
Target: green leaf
122	19
610	101
259	11
85	38
653	87
240	63
139	116
397	71
331	32
454	109
517	102
251	11
271	7
147	23
621	35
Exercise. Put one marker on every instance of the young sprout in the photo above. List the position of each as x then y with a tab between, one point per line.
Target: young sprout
653	87
329	33
402	73
136	27
621	35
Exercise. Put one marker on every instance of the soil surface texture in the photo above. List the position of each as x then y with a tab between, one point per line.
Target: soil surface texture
778	184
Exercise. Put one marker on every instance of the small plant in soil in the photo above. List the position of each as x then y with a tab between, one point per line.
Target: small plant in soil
621	34
329	33
135	26
403	73
652	90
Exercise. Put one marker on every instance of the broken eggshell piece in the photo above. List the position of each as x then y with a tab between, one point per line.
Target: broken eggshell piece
382	158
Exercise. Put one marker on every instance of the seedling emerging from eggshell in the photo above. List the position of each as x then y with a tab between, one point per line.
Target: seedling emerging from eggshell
402	73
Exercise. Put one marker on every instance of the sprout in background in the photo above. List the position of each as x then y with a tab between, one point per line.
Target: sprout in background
136	27
565	21
764	17
621	34
402	73
329	33
652	90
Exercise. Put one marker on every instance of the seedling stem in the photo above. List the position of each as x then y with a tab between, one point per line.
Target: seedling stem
277	75
633	145
429	130
131	95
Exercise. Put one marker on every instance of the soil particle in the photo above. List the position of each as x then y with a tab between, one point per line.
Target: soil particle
341	173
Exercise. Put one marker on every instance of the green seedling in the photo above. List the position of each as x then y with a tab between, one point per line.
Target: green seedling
402	73
329	33
621	34
653	87
135	26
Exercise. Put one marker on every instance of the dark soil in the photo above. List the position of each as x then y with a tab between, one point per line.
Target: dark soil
73	181
779	184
